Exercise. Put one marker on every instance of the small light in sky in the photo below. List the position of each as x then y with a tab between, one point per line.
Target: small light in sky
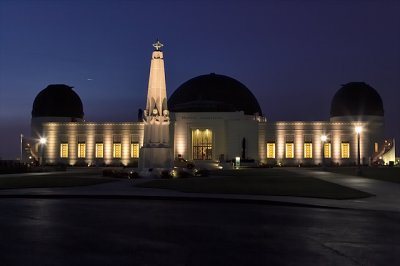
89	79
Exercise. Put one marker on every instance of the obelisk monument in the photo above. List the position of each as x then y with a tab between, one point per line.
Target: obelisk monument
156	152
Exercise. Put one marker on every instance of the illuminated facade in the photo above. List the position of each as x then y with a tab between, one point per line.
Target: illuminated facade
211	118
84	143
299	143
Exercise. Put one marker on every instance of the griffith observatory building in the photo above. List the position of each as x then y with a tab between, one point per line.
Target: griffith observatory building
209	118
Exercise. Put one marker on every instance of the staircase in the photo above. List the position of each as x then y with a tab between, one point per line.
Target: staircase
377	157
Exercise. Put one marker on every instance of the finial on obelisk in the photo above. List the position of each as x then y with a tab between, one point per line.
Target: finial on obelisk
158	45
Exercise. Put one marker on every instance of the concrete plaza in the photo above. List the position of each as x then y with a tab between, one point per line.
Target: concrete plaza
118	224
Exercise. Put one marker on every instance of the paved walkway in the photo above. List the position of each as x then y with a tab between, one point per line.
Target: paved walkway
387	193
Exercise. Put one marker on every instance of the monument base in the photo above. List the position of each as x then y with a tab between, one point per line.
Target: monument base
155	160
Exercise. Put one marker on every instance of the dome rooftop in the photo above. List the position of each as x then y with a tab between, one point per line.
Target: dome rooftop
356	99
213	93
57	100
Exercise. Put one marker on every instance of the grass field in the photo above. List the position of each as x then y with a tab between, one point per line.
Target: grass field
270	182
391	174
47	181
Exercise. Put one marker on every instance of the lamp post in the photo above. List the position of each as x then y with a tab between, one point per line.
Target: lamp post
21	147
42	142
323	140
358	130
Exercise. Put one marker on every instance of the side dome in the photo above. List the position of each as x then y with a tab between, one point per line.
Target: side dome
57	100
213	93
357	99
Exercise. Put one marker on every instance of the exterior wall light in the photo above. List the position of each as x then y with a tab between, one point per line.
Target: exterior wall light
42	142
323	140
358	130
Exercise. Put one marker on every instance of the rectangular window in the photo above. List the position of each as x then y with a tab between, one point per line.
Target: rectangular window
64	150
202	144
117	138
134	150
81	150
345	150
270	150
376	147
308	138
308	150
99	150
289	138
117	150
327	150
99	138
289	149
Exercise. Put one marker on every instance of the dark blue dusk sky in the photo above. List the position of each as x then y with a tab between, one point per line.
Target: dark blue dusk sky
293	55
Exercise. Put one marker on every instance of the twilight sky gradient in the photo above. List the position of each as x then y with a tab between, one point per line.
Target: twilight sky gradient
293	55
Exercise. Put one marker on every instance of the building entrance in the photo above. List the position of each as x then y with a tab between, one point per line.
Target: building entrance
202	144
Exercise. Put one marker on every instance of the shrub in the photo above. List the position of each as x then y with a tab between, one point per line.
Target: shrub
201	172
165	174
133	174
108	172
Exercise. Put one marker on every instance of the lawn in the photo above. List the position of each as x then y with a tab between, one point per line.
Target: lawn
391	174
267	182
46	181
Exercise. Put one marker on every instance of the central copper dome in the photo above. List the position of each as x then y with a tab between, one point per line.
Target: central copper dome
213	93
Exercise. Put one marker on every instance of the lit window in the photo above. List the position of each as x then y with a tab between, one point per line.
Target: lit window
308	150
117	150
289	150
134	150
81	150
345	150
99	150
270	150
327	150
202	144
376	147
64	150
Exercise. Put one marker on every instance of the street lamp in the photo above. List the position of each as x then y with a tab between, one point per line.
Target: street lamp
323	140
358	130
21	147
42	142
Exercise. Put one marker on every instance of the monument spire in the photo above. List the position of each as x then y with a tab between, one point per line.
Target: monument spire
156	91
156	152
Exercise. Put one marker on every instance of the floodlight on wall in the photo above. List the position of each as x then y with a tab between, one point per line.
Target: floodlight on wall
323	140
358	130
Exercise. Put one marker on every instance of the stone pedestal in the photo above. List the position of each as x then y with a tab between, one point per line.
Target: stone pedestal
155	157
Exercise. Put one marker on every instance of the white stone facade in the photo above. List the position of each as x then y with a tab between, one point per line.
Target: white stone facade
228	131
90	134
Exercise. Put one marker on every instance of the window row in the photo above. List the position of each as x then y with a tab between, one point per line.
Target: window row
99	150
308	150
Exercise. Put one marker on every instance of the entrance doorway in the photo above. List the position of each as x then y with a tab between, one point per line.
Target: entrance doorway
202	144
